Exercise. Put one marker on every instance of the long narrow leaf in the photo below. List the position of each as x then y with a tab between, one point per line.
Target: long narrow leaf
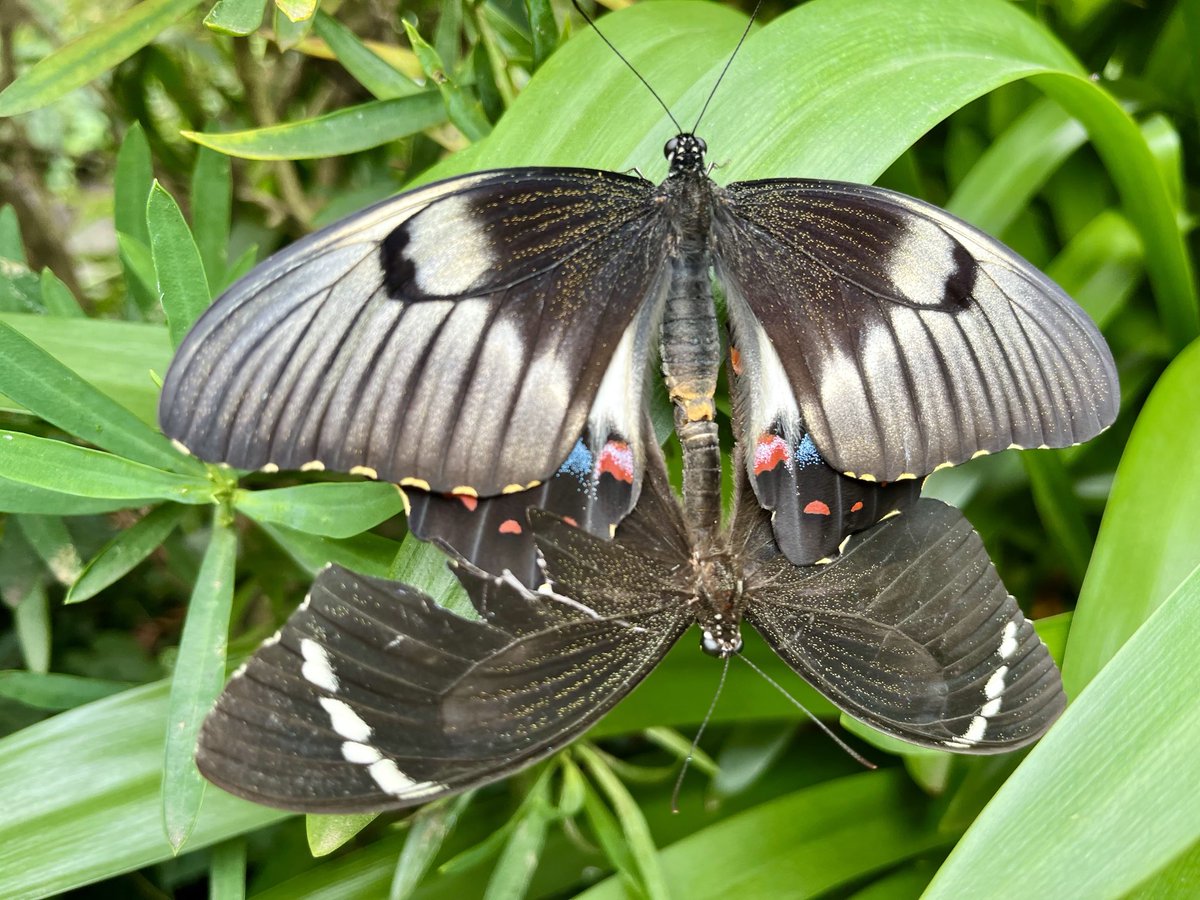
183	288
199	677
125	551
333	510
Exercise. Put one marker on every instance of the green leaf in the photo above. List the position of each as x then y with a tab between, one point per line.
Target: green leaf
811	842
1054	496
57	297
369	69
337	133
53	691
43	385
11	245
131	184
102	817
179	273
140	280
125	551
334	510
464	109
53	544
31	621
1101	266
327	833
297	10
198	679
427	832
89	56
369	554
523	850
1106	782
543	29
212	199
1147	539
651	877
227	872
16	497
69	469
236	17
289	32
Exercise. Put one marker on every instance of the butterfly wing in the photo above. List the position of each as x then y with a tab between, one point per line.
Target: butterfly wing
911	632
813	506
909	338
454	337
373	697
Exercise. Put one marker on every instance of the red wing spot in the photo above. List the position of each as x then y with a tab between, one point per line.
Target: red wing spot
735	359
570	521
617	460
817	508
857	506
510	526
770	451
468	501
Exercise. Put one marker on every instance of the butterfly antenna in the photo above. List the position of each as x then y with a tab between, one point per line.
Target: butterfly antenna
851	752
696	741
728	63
595	28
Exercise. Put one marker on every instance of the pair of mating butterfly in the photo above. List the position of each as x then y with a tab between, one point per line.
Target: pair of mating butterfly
486	343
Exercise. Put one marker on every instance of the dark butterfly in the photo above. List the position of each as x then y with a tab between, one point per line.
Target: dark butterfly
492	335
373	697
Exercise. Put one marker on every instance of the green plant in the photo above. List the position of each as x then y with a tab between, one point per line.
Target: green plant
975	105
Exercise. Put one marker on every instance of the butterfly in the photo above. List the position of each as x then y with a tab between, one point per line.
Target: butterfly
373	697
492	336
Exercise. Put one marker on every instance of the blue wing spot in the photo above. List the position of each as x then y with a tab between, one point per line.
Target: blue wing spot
579	463
806	454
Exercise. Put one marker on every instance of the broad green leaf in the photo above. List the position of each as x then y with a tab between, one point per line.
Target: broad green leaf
198	678
334	510
327	833
805	844
1147	541
179	273
236	17
337	133
32	377
90	55
542	28
57	297
54	691
1108	782
52	542
125	551
68	469
376	74
1102	264
102	817
212	199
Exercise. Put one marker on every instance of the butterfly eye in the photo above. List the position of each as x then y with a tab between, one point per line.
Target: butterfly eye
703	147
671	147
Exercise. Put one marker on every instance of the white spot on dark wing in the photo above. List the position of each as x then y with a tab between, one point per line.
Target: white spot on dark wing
995	685
346	721
922	260
1008	641
976	731
448	247
317	668
362	754
392	781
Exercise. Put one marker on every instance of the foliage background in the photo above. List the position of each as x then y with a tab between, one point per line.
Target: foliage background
1069	128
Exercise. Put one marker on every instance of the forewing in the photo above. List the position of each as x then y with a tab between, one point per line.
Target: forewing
455	336
910	339
911	631
813	506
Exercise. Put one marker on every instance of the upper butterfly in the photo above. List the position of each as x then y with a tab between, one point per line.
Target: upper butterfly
490	333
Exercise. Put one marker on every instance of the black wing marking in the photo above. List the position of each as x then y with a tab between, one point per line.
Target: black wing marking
813	506
911	340
911	632
372	697
456	336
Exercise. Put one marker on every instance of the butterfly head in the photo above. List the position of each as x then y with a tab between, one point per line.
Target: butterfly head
685	153
721	639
